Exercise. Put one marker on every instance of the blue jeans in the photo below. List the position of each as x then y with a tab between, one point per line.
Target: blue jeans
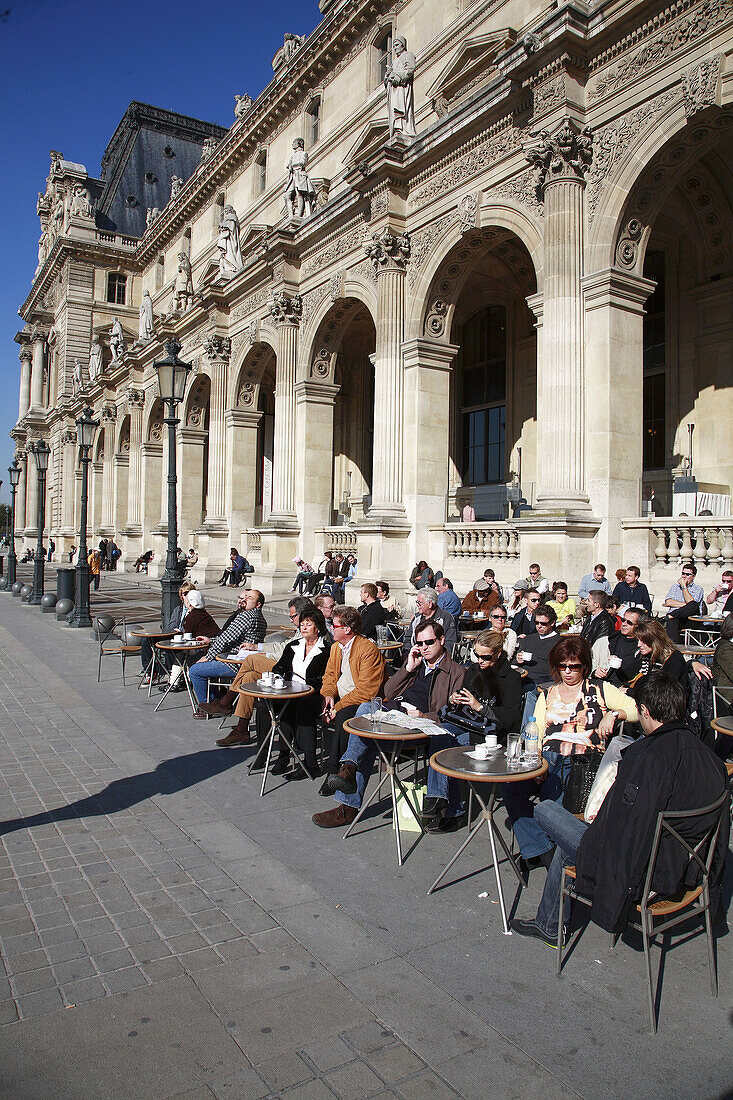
439	785
531	838
203	671
566	832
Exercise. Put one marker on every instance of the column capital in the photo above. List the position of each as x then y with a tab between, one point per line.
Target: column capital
286	309
25	353
217	348
38	333
108	414
135	398
562	156
68	437
388	251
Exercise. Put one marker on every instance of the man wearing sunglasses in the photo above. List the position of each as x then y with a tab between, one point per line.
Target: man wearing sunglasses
421	687
624	647
523	621
683	599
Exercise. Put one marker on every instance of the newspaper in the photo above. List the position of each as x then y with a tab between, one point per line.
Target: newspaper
397	718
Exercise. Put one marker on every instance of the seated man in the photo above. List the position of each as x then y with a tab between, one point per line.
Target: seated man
371	611
428	611
596	580
668	768
523	622
491	690
598	624
719	596
631	592
447	598
683	599
625	648
238	565
326	604
354	675
539	646
425	682
246	628
480	599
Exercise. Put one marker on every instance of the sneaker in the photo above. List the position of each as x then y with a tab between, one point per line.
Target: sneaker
532	928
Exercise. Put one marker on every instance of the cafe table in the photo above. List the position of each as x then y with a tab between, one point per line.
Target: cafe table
154	636
480	775
184	653
272	696
698	651
703	629
389	740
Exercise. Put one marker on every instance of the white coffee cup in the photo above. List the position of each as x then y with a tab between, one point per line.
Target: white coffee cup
481	751
178	638
278	682
526	655
188	637
491	741
614	662
267	678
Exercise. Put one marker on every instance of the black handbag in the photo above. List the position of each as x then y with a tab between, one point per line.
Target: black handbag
467	718
583	770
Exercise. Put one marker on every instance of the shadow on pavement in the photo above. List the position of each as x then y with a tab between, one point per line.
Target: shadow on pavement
176	774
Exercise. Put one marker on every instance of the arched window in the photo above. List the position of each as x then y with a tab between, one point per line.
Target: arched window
481	375
382	55
655	366
313	122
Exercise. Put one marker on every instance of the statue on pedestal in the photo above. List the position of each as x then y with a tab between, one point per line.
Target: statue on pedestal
78	376
81	203
242	104
176	185
183	286
146	329
95	359
400	95
116	342
300	194
230	254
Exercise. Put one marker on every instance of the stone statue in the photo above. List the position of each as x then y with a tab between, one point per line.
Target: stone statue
208	148
183	286
81	202
300	194
146	329
116	341
286	51
78	378
152	214
400	95
242	104
95	358
176	185
230	254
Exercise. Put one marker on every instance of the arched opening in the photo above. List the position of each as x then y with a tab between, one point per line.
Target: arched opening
353	420
193	458
265	441
152	463
95	491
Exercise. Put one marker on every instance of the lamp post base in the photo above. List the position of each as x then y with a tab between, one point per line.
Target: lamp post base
81	615
170	582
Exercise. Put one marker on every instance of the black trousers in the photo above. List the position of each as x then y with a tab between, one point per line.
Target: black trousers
677	616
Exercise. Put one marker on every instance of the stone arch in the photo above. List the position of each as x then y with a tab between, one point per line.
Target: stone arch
317	361
318	303
247	379
631	178
123	436
154	426
197	402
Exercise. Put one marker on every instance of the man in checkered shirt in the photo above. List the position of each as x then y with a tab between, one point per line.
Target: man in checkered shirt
246	628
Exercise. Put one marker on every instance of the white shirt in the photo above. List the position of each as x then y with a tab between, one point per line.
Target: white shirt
301	659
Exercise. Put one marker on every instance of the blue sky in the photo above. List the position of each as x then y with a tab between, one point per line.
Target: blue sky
68	70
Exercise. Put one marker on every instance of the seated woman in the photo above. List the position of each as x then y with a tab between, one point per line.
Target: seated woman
491	690
574	705
144	561
306	657
422	576
563	606
659	654
305	572
723	677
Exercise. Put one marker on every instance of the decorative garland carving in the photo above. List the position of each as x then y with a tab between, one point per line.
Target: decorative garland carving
253	301
342	246
312	299
700	85
423	242
364	270
489	151
379	205
523	190
548	94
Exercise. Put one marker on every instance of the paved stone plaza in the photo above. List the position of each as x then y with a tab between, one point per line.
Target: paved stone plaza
166	932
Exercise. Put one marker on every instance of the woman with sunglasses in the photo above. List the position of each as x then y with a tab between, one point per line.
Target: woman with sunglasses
576	706
491	691
498	619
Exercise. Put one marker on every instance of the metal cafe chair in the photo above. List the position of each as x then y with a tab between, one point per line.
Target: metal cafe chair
107	639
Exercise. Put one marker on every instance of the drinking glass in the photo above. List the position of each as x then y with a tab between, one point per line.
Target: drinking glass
376	712
513	751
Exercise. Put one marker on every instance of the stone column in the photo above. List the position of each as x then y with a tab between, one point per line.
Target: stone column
25	355
20	496
109	416
390	254
38	343
315	403
561	162
217	349
286	311
31	506
68	485
242	426
614	319
135	403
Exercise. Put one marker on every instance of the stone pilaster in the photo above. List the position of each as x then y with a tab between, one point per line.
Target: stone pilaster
286	311
190	472
68	470
315	403
20	496
31	507
109	416
561	162
390	254
242	428
135	403
38	345
25	355
217	350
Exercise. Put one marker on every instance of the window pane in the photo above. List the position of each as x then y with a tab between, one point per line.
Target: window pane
654	422
481	365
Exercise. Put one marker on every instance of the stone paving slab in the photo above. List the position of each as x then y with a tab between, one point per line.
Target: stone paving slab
145	885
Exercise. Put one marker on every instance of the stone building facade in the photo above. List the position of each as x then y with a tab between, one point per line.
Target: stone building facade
530	298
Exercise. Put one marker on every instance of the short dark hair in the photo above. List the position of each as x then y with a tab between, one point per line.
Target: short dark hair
348	616
548	612
437	627
316	616
574	647
634	569
531	592
600	565
688	565
446	582
599	596
662	696
488	573
727	573
300	603
384	586
534	565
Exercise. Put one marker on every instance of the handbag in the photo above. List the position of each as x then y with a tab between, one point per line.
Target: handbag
467	718
583	770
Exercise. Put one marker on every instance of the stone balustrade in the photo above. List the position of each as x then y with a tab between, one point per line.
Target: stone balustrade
341	540
498	541
116	239
253	541
705	541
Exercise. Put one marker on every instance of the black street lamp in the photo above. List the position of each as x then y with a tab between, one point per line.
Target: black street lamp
40	451
14	474
172	377
86	428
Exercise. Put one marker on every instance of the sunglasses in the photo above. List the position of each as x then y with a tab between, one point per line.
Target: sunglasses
569	668
628	622
426	642
484	656
542	622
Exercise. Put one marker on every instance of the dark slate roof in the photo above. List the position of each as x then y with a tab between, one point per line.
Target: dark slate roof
148	147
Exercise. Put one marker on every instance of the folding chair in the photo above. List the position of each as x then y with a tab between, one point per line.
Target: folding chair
106	650
658	914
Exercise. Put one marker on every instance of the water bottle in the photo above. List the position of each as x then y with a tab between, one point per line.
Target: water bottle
531	743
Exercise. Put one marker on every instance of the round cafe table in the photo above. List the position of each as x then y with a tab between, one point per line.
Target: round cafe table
723	725
293	689
183	654
703	629
456	764
696	650
154	636
389	740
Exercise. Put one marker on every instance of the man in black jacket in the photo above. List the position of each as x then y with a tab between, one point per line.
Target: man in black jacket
371	611
623	646
523	621
598	623
668	768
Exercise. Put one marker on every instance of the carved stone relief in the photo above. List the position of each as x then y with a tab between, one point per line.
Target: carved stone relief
565	154
502	140
700	85
523	190
286	309
388	250
423	242
468	212
198	403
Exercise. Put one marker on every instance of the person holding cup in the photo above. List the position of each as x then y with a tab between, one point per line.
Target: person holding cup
624	662
533	655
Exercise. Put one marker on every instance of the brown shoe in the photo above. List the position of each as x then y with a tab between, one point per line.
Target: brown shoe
344	780
335	818
216	708
234	738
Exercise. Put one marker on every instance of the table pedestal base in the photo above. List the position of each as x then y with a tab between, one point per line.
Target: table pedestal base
274	731
390	775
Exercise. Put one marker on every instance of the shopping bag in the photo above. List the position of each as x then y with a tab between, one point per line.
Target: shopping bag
416	793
